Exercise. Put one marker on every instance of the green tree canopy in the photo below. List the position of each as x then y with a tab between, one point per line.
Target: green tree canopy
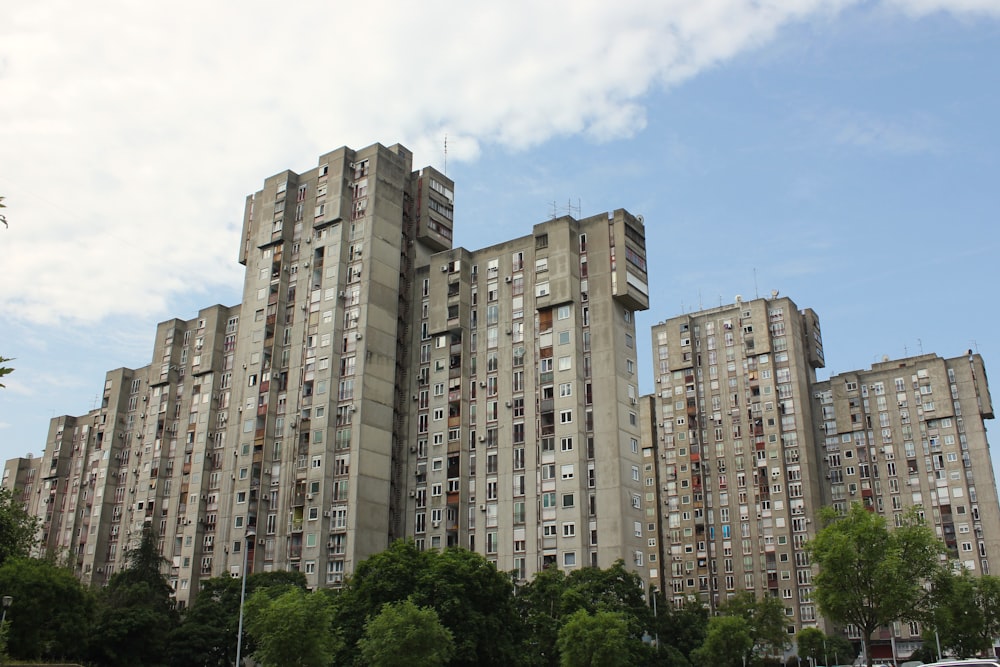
601	639
293	628
870	576
135	611
50	614
727	643
548	601
809	643
472	599
403	634
765	623
18	529
4	370
206	635
966	612
683	628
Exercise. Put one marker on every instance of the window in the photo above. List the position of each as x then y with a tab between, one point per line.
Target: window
569	529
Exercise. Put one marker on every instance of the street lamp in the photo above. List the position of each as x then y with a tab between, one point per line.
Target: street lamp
248	538
8	600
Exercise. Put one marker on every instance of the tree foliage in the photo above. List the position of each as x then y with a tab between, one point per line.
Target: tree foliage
548	601
765	623
809	643
4	370
49	617
966	612
18	529
403	634
684	628
206	635
600	639
135	611
727	643
472	599
292	628
870	576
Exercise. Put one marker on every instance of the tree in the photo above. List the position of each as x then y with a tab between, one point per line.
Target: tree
135	610
3	369
472	599
206	634
868	575
293	628
810	643
727	643
539	604
51	610
404	634
765	623
547	602
684	628
476	602
591	640
18	529
3	219
966	611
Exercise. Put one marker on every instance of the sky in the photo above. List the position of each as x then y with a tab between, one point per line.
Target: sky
844	153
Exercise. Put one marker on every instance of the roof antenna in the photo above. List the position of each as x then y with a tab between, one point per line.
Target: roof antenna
445	154
756	294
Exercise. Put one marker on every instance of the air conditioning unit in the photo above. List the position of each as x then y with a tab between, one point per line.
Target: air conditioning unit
326	513
413	494
508	279
309	496
482	508
444	268
357	336
435	524
413	450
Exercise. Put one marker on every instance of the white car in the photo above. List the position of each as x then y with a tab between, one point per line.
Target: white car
970	662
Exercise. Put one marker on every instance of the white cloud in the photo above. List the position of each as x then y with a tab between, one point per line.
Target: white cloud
132	133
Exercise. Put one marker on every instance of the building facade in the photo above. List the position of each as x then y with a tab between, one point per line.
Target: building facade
749	446
373	384
909	435
739	485
524	420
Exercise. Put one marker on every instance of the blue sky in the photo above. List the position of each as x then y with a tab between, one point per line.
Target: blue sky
844	153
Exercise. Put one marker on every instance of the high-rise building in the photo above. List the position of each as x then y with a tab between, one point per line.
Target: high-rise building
524	418
373	384
750	446
739	482
909	435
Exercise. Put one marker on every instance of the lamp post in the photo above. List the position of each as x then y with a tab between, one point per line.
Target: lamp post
248	539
